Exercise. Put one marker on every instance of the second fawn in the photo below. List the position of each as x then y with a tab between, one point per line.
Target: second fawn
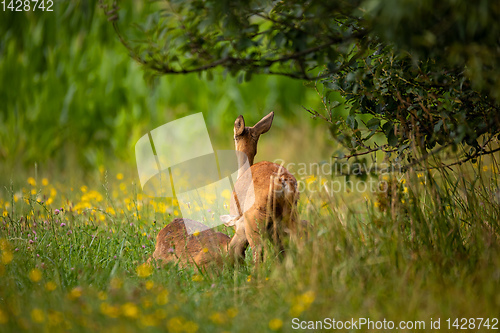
205	248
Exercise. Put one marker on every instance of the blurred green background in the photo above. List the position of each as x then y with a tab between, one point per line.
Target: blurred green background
71	97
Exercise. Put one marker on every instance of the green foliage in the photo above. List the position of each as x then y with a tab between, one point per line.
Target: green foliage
289	38
421	75
461	35
416	108
69	92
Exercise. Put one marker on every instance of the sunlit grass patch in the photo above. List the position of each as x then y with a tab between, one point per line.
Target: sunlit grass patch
79	261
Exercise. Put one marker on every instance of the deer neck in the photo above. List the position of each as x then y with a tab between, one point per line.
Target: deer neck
244	158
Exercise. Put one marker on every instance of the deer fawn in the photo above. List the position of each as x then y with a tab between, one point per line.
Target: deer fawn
274	212
174	244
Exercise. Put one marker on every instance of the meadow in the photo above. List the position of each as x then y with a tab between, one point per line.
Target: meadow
73	258
76	229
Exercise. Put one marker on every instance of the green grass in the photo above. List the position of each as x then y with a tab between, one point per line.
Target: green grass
422	251
73	101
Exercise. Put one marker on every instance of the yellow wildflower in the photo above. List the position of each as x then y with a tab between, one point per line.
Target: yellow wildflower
119	176
110	210
275	324
32	181
130	310
35	275
302	303
226	194
110	310
190	327
149	285
175	324
75	293
297	309
311	179
45	182
308	297
37	316
144	270
50	286
218	318
7	257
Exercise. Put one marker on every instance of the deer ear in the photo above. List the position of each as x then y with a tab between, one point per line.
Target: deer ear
264	124
239	125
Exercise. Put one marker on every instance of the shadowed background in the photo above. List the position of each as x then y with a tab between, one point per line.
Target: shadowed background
73	99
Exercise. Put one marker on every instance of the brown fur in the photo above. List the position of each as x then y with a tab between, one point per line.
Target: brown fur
274	211
174	244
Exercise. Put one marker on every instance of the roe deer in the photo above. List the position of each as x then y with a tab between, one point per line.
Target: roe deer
274	211
204	248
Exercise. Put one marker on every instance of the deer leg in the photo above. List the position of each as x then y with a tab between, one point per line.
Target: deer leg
255	228
238	245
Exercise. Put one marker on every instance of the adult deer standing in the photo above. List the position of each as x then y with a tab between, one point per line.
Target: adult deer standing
274	211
